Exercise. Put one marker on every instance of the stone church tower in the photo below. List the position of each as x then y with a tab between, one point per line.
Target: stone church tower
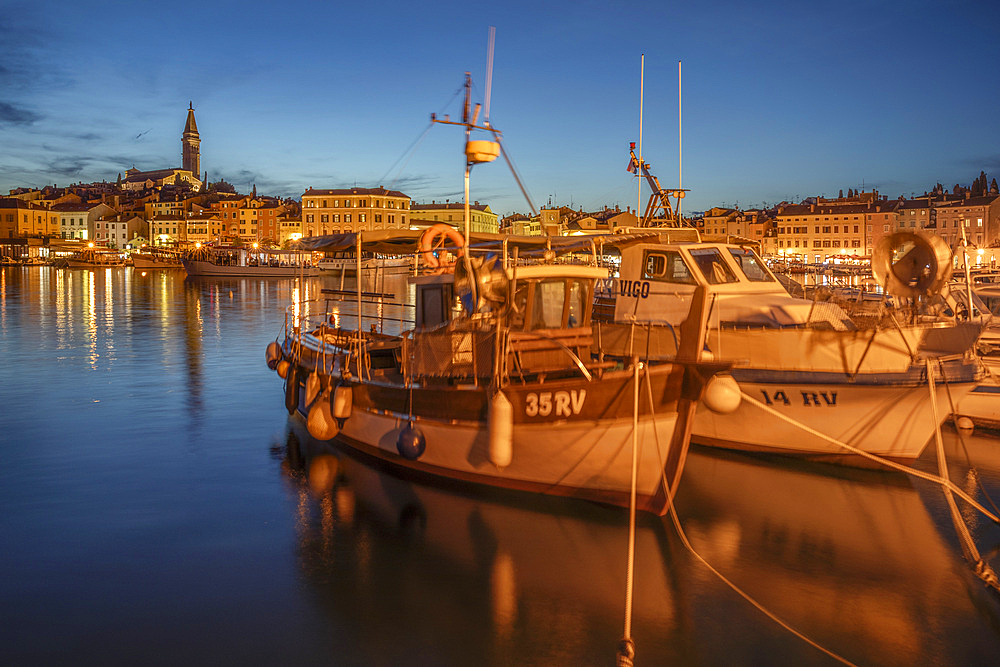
189	145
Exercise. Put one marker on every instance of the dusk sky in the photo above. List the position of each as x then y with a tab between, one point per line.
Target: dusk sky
781	100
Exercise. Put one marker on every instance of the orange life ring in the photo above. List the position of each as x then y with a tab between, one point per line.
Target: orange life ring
433	240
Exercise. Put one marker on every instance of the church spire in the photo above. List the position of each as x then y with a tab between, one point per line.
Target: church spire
190	141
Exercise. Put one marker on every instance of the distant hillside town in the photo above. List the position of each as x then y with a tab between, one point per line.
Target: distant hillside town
179	207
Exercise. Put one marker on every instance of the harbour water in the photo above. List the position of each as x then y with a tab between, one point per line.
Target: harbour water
158	506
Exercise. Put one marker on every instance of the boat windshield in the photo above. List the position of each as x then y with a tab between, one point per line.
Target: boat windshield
712	266
751	265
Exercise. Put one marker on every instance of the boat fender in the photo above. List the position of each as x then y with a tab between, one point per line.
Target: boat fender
313	387
342	400
500	427
273	354
411	442
282	368
722	394
321	423
965	423
292	390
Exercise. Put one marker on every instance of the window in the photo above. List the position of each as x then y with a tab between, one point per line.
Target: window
751	264
666	266
712	266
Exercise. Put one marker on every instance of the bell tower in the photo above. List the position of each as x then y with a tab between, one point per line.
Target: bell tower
190	155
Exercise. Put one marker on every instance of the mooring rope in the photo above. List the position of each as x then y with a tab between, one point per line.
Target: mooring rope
668	492
626	647
874	457
982	569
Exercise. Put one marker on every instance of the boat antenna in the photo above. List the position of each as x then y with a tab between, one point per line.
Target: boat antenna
680	182
642	74
489	75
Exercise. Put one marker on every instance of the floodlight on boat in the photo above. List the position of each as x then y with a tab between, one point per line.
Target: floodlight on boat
481	151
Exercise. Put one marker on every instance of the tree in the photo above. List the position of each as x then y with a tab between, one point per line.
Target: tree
993	187
841	195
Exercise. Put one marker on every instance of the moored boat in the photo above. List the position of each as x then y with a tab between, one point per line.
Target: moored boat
241	261
91	258
812	381
500	392
156	258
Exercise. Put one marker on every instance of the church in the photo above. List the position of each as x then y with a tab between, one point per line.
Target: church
187	174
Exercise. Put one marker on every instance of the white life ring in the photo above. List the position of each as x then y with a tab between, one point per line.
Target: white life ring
433	240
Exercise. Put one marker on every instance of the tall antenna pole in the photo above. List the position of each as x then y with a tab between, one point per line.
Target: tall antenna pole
489	76
680	182
642	74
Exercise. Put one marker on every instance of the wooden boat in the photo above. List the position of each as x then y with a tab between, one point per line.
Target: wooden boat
91	258
157	258
493	382
232	261
805	372
501	391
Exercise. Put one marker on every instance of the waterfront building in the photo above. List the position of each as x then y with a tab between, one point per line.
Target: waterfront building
481	218
117	230
73	220
977	217
353	209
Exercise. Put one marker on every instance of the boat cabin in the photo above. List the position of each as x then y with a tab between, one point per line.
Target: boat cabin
539	313
657	282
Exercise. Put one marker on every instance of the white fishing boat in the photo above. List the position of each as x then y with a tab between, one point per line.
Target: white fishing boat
243	261
810	381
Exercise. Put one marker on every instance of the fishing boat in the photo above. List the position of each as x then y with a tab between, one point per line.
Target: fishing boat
492	381
501	390
241	261
809	380
157	258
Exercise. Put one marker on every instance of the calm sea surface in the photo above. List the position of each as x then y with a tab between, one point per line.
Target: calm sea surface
157	507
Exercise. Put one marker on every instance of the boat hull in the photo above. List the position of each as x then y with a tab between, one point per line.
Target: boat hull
568	437
891	421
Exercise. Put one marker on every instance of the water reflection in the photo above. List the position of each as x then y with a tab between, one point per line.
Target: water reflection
853	559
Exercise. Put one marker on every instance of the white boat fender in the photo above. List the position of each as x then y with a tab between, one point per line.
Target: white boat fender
292	390
273	354
313	387
965	423
343	398
500	428
722	394
282	368
411	442
321	423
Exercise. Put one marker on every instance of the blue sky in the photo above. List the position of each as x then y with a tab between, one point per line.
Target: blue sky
781	100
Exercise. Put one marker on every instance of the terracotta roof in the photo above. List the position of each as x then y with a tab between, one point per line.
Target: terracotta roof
312	192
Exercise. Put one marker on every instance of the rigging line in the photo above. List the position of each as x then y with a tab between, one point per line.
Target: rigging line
410	148
668	493
874	457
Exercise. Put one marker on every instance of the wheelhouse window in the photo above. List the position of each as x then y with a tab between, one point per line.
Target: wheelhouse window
751	264
666	266
550	304
712	266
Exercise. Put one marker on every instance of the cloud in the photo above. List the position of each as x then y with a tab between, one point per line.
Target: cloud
14	115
